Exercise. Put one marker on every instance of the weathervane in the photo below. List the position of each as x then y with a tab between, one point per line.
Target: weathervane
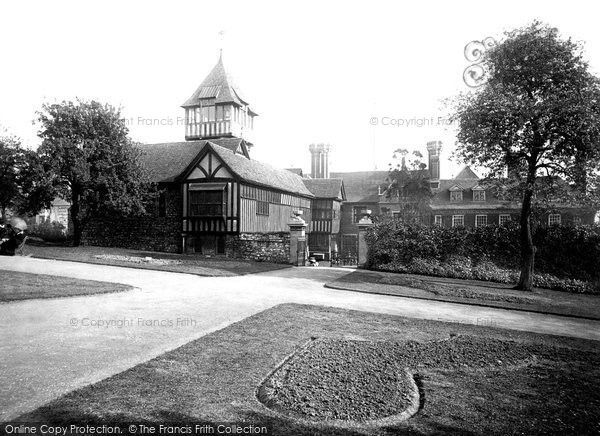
221	39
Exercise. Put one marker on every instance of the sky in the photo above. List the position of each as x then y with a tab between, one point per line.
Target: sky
366	77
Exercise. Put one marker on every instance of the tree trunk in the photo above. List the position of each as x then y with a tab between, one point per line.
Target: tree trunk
3	214
76	219
527	247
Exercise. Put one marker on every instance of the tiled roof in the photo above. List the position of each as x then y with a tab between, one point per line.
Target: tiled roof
441	198
261	173
217	87
326	188
362	186
166	161
467	173
296	171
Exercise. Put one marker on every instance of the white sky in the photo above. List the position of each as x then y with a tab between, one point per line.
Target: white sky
315	71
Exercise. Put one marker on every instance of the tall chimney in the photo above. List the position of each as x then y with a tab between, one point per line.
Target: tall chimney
319	163
433	150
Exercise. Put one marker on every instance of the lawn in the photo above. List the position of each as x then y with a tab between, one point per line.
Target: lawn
472	380
471	292
25	286
183	263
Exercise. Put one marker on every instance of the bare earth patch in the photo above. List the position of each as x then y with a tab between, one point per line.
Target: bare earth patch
365	380
25	286
340	380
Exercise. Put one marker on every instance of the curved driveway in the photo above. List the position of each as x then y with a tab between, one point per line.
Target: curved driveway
50	347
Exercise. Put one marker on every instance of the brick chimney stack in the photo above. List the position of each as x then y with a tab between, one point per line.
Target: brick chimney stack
433	150
319	163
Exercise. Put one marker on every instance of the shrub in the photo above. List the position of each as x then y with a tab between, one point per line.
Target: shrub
49	231
567	258
487	271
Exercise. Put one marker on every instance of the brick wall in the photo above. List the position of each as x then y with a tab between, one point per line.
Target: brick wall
346	216
266	247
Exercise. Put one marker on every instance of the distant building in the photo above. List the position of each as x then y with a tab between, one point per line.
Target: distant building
324	227
58	212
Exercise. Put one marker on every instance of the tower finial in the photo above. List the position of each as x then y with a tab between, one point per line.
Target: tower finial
221	38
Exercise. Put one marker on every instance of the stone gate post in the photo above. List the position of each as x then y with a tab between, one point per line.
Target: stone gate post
363	225
297	239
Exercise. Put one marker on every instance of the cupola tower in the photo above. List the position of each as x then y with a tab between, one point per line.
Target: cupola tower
217	109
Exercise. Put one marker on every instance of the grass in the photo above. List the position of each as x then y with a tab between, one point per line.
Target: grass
471	292
183	263
556	389
18	286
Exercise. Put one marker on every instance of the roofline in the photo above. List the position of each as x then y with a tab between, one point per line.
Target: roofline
181	177
261	185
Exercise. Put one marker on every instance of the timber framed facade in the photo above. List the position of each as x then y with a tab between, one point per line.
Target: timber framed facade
225	195
216	200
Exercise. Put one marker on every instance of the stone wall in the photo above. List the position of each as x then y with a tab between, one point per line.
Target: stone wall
138	233
265	247
151	232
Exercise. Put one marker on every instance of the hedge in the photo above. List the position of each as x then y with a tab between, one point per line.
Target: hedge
567	258
49	231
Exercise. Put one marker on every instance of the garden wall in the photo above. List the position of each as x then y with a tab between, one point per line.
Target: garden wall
264	247
160	230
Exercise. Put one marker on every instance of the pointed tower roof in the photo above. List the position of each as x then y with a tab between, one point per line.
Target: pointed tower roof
466	173
218	86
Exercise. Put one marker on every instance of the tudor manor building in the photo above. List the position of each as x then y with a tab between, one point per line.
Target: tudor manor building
216	200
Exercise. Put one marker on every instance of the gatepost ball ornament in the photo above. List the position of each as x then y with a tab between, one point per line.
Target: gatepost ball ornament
475	75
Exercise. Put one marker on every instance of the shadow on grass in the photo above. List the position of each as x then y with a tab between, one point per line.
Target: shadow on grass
274	425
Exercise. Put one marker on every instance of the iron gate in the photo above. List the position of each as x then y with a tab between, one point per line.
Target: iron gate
349	252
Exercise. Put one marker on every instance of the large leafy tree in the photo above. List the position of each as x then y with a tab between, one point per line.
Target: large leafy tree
11	158
36	191
539	115
22	180
409	185
92	162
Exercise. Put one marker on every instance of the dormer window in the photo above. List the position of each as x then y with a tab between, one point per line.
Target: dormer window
456	196
478	193
456	193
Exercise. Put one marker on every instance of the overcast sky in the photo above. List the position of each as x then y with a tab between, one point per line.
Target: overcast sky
315	71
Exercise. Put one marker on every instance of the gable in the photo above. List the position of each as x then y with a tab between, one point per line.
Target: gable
210	166
236	145
466	173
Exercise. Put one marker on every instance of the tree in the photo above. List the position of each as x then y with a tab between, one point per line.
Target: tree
91	162
11	158
21	181
409	187
36	191
539	115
